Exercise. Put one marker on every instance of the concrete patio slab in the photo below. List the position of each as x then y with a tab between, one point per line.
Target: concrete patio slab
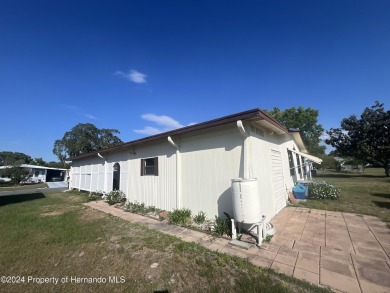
336	254
338	267
283	241
339	281
270	247
307	247
347	252
261	261
375	252
370	275
267	254
286	256
372	288
308	262
375	264
307	276
282	268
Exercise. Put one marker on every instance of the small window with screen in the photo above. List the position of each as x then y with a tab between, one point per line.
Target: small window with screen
149	167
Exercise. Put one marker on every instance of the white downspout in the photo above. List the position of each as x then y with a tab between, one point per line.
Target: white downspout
245	134
178	172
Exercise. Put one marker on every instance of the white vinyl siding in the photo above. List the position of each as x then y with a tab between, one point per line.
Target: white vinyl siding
209	162
279	189
158	191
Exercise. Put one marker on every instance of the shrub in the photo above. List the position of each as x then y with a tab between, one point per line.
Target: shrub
115	196
200	218
135	207
180	217
96	195
152	210
5	183
267	239
221	227
323	190
140	208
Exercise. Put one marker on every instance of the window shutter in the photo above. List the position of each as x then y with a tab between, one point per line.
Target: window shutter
142	167
156	166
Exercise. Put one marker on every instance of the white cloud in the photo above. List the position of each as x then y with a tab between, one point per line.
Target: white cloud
133	76
91	116
162	120
165	123
148	130
76	110
324	136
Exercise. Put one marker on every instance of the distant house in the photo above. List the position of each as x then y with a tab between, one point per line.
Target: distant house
40	173
345	167
193	167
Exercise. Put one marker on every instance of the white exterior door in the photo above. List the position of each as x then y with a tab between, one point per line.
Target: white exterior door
278	181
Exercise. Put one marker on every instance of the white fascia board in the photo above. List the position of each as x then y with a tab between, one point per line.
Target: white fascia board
35	167
299	142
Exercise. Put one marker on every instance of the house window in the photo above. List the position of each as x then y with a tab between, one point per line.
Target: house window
299	164
149	166
291	162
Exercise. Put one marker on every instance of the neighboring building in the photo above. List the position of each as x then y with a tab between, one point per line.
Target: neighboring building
192	167
40	173
345	167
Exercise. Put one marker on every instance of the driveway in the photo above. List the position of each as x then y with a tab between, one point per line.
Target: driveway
51	185
57	184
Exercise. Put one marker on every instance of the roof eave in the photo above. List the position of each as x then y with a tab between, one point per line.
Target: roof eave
252	115
298	140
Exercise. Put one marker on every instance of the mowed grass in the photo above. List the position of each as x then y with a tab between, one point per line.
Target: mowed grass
55	235
365	193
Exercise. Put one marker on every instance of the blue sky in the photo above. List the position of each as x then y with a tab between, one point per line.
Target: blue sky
148	66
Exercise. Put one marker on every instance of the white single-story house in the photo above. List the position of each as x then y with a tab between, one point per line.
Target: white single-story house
39	173
193	167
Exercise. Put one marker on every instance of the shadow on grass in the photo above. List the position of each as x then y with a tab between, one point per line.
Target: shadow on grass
382	204
17	198
383	195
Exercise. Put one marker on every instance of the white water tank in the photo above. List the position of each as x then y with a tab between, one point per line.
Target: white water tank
246	201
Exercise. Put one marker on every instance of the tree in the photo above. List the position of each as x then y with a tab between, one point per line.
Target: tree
16	173
84	138
60	165
366	139
306	121
12	158
39	162
328	162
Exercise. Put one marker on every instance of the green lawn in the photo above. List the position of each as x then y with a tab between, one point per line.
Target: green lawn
51	234
365	193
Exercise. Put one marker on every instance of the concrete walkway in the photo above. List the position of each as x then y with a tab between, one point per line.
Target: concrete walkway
346	252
